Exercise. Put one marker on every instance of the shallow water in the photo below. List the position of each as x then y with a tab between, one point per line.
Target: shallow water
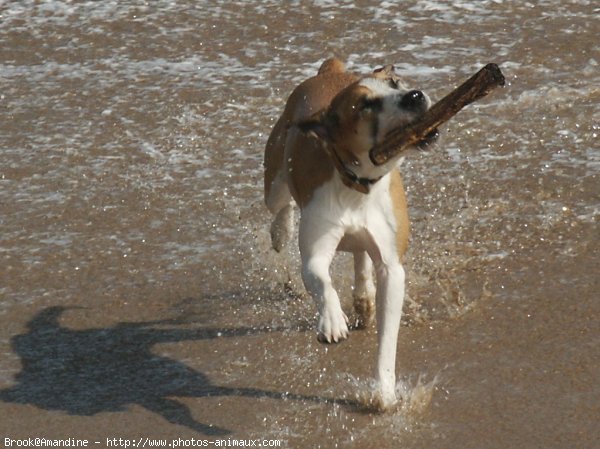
131	139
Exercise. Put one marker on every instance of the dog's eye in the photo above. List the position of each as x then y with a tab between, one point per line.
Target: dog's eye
372	104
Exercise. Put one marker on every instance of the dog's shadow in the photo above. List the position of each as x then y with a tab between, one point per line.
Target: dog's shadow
84	372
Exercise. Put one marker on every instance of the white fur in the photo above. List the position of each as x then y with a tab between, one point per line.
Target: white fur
361	223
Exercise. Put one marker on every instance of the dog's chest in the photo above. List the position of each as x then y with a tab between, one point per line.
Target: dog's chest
352	211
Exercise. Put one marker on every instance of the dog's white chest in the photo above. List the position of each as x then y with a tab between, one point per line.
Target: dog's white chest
356	215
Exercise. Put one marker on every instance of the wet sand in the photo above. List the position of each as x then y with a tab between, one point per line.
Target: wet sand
522	369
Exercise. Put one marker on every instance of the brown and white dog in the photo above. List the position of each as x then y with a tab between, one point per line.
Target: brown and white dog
318	157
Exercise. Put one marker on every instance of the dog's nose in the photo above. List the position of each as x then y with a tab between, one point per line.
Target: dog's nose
413	100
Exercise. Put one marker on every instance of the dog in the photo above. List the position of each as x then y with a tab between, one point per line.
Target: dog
317	157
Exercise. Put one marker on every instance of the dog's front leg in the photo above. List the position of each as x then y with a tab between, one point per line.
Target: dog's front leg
318	242
390	297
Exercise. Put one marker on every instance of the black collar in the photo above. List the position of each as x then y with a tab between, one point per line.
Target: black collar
363	185
349	178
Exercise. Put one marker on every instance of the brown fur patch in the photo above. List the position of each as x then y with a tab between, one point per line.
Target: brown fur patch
309	165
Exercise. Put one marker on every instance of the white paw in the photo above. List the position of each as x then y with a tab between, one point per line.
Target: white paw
384	400
333	326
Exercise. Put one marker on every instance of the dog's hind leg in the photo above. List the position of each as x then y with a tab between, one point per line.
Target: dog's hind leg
282	227
277	193
279	201
364	289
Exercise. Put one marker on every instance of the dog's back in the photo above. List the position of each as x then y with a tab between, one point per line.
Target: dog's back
309	97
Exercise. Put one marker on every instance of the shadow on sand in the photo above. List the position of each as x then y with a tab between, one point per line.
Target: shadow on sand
84	372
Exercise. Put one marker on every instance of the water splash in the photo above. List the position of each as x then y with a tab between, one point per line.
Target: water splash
414	396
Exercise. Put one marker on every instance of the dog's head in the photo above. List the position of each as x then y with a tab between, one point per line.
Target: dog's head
361	115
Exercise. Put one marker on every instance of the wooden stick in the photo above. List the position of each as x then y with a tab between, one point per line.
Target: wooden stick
476	87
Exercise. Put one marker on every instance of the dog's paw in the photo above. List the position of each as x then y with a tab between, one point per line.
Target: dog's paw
383	401
364	307
333	326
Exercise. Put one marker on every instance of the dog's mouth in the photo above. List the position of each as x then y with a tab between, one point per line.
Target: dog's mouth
428	140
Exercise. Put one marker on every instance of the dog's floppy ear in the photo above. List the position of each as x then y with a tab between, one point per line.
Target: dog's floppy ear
316	126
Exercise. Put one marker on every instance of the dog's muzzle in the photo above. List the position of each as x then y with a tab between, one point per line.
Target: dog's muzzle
415	100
